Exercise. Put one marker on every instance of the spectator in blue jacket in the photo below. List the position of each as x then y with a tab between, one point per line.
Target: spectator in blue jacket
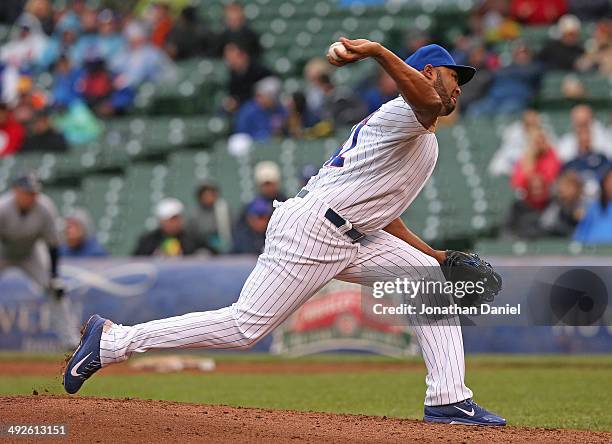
249	234
63	41
66	79
80	241
263	116
383	90
513	86
596	226
589	164
99	38
139	61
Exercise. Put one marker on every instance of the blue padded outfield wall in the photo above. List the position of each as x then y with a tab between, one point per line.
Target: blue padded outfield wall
130	291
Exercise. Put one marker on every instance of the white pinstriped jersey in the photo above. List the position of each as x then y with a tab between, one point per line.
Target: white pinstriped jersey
380	169
374	176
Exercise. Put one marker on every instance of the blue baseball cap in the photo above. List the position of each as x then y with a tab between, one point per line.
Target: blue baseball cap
435	55
259	207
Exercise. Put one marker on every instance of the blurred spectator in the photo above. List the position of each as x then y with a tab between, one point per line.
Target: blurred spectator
74	9
382	91
590	165
598	49
160	21
87	43
561	217
589	9
190	38
462	44
572	87
77	123
314	70
491	20
237	31
268	181
43	137
29	100
413	40
26	45
43	12
299	117
62	42
140	61
210	223
582	117
109	42
66	80
340	105
477	88
523	218
169	239
563	52
513	86
537	12
262	117
11	132
9	79
244	72
79	237
250	232
596	226
96	84
539	158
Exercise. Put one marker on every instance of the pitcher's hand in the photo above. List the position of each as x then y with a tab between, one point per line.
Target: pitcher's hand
357	49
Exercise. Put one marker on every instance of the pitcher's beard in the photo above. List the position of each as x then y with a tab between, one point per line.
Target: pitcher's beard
447	103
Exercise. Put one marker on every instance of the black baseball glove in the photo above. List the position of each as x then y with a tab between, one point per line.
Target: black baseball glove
469	267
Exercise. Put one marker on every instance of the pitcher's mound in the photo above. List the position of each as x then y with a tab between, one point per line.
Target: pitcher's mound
116	420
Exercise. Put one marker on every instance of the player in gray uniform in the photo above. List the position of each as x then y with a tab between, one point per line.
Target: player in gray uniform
29	240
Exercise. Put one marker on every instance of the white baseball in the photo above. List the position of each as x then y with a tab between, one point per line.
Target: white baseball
336	49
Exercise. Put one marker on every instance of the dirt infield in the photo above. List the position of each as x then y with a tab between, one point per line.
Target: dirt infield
98	420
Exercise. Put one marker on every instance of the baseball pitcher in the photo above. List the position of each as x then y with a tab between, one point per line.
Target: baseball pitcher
346	219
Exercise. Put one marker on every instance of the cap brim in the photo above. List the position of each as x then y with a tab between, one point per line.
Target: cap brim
465	73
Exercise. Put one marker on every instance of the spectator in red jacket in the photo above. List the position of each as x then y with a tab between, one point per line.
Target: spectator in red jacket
538	159
161	23
12	132
537	12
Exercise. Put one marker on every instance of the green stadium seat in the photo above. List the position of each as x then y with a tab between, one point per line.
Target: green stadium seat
598	91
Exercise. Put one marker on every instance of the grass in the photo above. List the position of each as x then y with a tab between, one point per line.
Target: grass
548	391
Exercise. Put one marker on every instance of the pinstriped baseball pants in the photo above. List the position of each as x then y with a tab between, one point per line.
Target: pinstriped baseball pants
303	252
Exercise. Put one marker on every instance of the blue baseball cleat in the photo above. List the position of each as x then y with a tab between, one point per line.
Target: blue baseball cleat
85	360
465	412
